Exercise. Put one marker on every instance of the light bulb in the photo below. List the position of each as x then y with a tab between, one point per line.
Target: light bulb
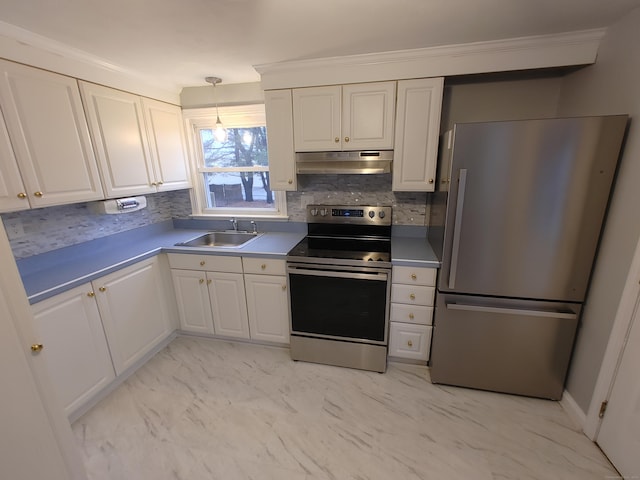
220	133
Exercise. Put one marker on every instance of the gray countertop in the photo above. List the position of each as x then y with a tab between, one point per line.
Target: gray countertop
54	272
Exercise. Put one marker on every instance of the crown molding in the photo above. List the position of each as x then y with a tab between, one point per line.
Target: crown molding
523	53
24	46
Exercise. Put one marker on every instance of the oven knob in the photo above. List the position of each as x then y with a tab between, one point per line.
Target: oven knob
381	214
372	214
314	212
324	212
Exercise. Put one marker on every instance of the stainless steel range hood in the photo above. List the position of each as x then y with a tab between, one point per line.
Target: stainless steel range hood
357	162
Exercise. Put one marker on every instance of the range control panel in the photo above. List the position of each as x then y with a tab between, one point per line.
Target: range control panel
355	215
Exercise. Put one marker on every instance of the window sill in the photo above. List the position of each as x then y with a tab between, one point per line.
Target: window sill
226	216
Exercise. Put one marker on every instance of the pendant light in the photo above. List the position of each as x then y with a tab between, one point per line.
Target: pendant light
220	133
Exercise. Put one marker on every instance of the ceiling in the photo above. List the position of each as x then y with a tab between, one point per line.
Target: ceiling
179	42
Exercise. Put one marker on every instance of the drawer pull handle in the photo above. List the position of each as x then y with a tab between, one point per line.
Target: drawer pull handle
37	347
413	276
22	195
410	344
38	194
208	282
91	294
263	266
103	289
412	296
346	139
284	287
337	139
202	263
290	181
411	316
201	280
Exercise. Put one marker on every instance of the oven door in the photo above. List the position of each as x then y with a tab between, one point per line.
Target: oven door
339	302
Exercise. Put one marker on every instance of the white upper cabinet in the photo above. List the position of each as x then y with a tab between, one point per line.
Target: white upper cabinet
139	142
116	120
278	106
416	137
166	140
349	117
49	136
316	118
368	116
13	195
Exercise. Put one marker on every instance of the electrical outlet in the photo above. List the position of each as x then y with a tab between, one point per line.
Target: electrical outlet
14	228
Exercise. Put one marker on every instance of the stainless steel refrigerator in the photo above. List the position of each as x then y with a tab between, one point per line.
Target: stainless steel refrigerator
516	224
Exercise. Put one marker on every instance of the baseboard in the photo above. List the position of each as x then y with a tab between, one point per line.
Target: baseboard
577	416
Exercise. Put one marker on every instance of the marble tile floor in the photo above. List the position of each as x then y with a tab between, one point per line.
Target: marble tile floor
209	409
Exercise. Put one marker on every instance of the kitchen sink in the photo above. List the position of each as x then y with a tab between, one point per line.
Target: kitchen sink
229	239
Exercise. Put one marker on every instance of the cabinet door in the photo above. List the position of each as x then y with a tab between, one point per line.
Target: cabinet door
368	116
166	140
316	119
76	352
117	125
278	106
192	295
12	192
49	134
228	304
133	311
417	130
409	341
268	307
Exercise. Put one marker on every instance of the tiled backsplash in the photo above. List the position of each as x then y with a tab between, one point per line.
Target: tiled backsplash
409	208
51	228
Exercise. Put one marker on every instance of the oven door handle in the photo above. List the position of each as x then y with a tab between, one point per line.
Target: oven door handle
379	276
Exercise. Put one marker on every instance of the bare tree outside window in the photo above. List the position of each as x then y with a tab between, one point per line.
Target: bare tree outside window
235	184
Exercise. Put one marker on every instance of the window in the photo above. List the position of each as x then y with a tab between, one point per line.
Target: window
232	176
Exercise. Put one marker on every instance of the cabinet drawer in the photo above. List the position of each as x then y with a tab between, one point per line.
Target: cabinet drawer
414	276
413	295
212	263
263	266
417	314
409	341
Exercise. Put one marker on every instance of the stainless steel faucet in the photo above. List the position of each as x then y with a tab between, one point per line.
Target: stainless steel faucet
234	222
254	226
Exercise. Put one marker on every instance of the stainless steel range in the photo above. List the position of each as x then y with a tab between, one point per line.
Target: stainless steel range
339	279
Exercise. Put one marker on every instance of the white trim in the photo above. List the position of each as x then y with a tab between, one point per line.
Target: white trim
615	347
575	413
543	51
24	46
231	117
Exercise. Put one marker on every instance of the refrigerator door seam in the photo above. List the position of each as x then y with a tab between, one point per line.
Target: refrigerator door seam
462	183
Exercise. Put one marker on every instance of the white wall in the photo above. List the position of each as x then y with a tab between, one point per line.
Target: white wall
506	99
232	94
610	86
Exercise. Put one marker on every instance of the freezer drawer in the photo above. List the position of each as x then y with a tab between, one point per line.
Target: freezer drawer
503	345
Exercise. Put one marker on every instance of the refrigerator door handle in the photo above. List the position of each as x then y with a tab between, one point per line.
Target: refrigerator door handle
457	227
512	311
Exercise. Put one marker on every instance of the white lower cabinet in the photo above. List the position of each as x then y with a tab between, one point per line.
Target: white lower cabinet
267	301
192	294
210	293
76	351
228	304
94	332
411	313
215	297
134	311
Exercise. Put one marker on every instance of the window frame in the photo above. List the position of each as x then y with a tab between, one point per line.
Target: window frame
236	116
